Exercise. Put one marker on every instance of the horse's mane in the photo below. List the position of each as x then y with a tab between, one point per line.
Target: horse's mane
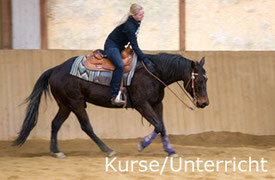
170	64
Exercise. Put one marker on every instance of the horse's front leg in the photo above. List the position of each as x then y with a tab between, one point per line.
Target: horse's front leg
158	111
147	111
147	140
165	140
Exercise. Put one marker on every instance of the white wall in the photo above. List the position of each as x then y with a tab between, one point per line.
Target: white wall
26	24
230	25
75	24
210	25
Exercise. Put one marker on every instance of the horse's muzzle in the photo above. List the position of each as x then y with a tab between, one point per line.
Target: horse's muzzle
203	105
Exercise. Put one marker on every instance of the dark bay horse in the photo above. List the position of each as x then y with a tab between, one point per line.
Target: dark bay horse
145	95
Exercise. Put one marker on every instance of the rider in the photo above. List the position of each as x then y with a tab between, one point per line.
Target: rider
123	34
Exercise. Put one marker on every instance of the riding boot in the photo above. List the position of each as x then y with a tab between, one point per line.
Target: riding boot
117	100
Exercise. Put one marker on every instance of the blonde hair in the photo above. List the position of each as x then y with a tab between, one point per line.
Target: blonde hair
134	9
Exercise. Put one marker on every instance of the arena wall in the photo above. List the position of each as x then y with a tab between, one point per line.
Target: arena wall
240	87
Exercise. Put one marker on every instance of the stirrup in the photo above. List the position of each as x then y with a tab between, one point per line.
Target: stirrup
118	101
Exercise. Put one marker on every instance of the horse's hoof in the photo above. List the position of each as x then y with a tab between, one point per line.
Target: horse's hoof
173	154
58	155
111	153
140	147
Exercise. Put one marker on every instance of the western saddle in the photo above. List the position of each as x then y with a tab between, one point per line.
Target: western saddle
98	60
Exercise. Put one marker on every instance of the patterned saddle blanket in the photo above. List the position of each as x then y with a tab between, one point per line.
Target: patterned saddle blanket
78	69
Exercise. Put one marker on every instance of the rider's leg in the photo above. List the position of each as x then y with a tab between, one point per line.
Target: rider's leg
114	55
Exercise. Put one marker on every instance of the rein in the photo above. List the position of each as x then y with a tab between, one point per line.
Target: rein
194	101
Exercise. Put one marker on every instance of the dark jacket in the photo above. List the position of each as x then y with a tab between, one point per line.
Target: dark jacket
123	34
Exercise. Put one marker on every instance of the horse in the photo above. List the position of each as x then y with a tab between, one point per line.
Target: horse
145	95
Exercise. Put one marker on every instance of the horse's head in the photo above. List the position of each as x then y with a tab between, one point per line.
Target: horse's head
196	84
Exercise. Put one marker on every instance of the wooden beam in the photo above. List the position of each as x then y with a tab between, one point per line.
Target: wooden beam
43	24
1	27
182	9
5	24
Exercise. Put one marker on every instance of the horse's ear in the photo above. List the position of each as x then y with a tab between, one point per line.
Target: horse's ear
193	64
202	61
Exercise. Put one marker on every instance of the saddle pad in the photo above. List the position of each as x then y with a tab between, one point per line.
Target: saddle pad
101	77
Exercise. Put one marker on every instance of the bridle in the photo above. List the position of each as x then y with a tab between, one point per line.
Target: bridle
194	100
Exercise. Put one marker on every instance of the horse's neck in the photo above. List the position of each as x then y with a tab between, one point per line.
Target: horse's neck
177	72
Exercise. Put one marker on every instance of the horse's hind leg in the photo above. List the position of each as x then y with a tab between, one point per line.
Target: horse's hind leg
87	128
59	119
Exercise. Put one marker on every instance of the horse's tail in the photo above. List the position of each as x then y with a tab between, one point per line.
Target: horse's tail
32	110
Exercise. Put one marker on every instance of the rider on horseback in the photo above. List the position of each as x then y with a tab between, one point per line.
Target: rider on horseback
123	34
